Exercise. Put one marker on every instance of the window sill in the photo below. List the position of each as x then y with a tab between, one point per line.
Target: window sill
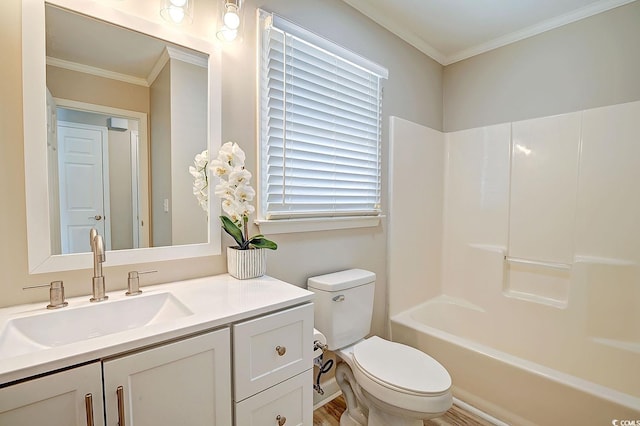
286	226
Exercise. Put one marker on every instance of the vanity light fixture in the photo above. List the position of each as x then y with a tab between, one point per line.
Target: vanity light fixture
231	20
177	11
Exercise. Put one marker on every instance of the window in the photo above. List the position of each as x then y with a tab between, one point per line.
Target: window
320	126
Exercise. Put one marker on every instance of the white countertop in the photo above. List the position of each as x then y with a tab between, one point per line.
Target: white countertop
214	302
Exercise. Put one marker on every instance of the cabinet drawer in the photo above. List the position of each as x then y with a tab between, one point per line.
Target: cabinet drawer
270	349
292	400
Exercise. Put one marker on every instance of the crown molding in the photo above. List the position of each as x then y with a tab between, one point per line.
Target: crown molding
99	72
188	57
370	12
544	26
169	53
157	67
420	44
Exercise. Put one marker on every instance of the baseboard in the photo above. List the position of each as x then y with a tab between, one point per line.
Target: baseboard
478	413
331	391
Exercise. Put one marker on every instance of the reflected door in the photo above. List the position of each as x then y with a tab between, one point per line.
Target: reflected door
83	174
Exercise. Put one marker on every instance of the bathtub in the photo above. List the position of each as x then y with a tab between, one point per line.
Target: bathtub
496	369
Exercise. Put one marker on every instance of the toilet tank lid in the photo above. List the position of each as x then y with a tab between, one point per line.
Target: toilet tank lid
337	281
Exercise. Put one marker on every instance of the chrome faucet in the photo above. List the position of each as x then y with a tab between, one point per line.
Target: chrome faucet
97	247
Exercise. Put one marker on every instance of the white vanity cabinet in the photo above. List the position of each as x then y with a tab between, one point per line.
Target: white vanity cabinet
244	347
187	382
273	364
68	398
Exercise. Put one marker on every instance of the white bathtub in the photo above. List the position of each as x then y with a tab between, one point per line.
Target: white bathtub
546	380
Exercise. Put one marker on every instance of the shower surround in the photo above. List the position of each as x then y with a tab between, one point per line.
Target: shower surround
528	289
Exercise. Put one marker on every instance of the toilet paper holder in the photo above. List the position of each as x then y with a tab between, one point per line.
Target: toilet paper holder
319	348
318	345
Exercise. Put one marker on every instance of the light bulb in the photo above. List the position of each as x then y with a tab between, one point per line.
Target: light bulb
178	3
176	14
226	34
231	19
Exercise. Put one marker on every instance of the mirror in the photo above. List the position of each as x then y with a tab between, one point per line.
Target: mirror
122	127
98	159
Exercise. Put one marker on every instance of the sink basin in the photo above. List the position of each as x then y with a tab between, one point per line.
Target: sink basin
68	325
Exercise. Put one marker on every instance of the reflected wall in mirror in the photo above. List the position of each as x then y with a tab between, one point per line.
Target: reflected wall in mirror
129	103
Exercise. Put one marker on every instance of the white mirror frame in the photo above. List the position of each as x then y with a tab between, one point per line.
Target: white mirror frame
35	134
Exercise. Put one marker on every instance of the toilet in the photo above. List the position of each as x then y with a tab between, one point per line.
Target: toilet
383	382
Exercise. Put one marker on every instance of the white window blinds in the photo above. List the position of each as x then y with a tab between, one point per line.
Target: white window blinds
320	121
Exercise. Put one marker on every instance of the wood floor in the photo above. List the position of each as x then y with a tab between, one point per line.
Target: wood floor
329	415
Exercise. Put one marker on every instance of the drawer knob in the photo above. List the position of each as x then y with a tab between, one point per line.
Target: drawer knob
281	420
281	351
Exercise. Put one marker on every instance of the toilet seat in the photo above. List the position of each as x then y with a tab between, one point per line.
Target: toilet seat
402	367
401	375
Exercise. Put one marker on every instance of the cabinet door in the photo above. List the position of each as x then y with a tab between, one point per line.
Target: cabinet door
72	397
187	382
289	404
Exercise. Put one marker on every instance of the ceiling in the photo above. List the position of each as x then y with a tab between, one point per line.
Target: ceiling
452	30
77	39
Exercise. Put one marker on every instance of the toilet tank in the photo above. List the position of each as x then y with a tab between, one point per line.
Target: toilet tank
343	305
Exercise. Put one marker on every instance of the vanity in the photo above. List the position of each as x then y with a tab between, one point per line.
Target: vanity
208	351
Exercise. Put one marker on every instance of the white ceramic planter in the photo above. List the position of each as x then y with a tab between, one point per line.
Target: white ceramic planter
245	264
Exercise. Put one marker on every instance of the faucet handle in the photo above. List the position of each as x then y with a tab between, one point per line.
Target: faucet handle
133	282
56	294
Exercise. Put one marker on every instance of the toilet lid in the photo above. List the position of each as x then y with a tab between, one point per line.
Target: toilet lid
401	366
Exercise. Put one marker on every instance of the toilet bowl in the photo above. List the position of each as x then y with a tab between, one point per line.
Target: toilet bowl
383	382
395	382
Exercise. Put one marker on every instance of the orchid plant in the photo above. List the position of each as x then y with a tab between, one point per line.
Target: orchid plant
235	191
201	179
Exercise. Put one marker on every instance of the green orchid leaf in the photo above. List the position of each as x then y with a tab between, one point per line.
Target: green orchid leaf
231	229
260	242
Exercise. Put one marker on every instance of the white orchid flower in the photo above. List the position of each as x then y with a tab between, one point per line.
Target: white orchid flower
248	210
235	211
240	177
244	192
238	155
224	191
232	154
220	168
202	159
200	179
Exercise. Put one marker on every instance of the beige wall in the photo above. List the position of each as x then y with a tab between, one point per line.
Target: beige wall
120	196
82	87
13	237
161	157
413	92
188	138
590	63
